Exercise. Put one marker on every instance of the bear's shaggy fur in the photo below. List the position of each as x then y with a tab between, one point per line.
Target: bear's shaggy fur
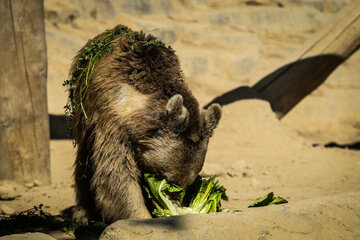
141	118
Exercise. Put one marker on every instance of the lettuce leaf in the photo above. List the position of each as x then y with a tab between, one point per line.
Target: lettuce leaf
268	200
203	196
158	193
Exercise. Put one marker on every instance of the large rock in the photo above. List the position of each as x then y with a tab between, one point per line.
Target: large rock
335	217
7	192
27	236
6	210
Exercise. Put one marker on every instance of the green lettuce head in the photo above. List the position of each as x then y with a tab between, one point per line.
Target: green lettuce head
203	196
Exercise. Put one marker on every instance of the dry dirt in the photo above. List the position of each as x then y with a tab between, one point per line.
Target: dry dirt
223	45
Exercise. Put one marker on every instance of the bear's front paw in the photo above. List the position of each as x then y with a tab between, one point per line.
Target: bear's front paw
79	216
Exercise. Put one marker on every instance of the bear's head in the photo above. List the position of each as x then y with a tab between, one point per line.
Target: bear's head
174	151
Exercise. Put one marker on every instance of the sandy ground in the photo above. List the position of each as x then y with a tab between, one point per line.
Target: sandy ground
221	47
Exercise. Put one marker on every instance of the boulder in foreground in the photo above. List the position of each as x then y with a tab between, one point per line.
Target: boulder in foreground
334	217
27	236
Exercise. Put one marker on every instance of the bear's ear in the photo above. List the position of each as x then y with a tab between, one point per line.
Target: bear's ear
211	117
177	115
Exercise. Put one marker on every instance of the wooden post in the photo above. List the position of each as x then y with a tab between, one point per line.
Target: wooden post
24	121
309	67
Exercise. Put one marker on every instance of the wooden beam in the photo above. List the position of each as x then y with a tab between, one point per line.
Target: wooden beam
308	68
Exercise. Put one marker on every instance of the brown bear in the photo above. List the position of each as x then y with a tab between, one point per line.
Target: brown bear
136	115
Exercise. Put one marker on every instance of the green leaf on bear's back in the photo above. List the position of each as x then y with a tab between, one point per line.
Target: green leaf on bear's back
267	200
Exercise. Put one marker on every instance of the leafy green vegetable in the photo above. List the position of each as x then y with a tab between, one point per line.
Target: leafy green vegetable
278	200
206	195
267	200
35	219
264	201
157	192
203	196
